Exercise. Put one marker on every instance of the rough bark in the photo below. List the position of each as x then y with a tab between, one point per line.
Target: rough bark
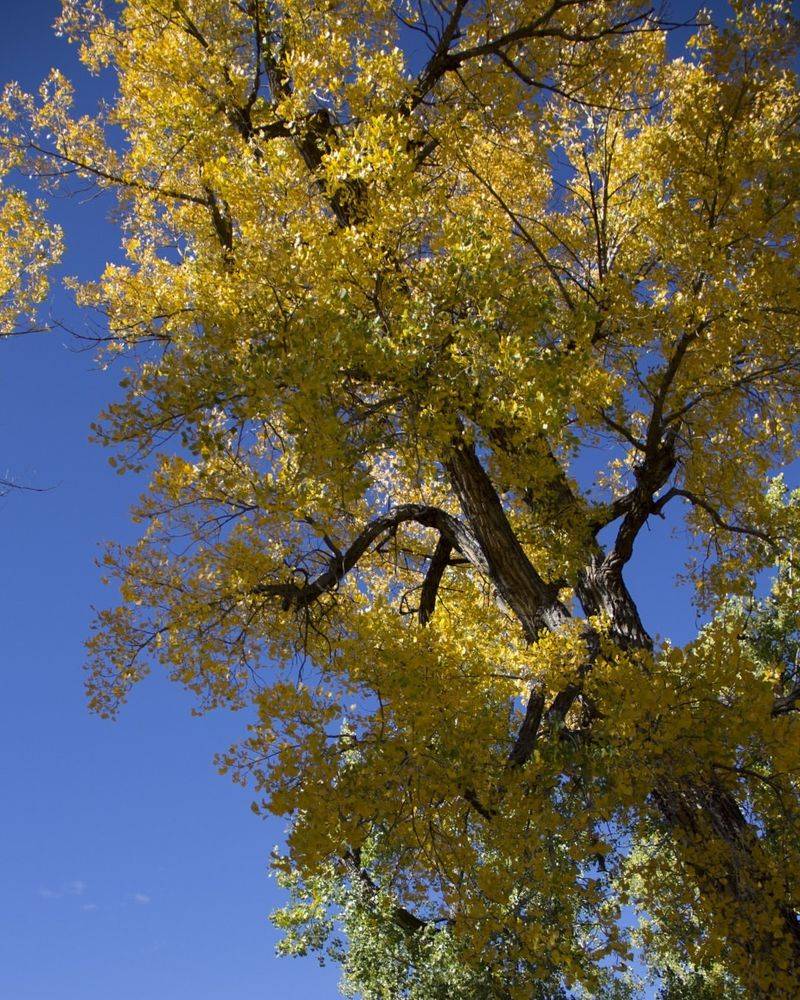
696	810
454	533
533	601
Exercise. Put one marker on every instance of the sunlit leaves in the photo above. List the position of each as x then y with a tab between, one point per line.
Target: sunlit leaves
29	247
360	238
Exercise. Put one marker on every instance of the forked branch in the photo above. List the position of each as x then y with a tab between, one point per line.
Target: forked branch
453	533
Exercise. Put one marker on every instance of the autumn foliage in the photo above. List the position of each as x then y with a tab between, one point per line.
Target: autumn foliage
428	308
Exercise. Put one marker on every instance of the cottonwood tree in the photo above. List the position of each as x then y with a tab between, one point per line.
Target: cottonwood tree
381	959
429	308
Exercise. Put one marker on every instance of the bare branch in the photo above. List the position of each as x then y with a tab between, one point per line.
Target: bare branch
716	517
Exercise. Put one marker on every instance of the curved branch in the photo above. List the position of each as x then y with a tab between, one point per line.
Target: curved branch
716	517
787	703
451	530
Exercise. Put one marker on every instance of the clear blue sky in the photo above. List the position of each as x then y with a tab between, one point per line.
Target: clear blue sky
130	869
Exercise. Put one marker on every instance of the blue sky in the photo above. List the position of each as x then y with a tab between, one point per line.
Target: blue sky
130	869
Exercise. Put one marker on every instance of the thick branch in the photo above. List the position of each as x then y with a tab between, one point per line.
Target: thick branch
651	475
436	66
658	451
456	534
599	586
787	703
526	738
534	602
430	587
598	592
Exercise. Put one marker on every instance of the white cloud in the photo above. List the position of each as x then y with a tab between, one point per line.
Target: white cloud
89	907
77	887
141	898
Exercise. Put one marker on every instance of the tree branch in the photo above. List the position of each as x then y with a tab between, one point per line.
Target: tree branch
716	517
787	703
444	61
430	588
402	917
534	602
526	738
456	534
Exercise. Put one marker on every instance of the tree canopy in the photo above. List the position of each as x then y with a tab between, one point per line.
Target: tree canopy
427	309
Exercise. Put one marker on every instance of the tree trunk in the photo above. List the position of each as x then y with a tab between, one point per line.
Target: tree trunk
705	820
